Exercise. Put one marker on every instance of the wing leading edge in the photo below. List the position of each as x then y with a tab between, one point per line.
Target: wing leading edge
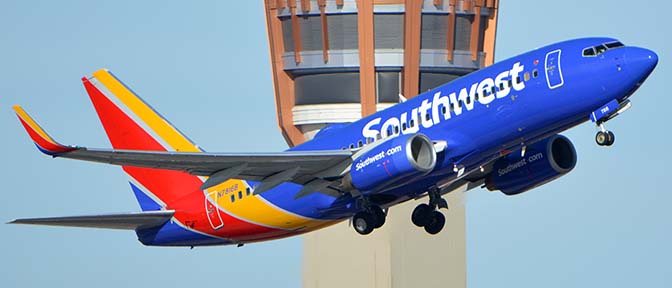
268	168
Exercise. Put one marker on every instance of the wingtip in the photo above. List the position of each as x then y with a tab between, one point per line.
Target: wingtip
42	140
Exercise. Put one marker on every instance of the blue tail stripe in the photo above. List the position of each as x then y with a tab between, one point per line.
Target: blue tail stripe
171	234
146	203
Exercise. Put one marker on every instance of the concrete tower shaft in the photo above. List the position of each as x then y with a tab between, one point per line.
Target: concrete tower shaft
335	61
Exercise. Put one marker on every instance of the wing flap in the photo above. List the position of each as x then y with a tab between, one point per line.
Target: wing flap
257	165
124	221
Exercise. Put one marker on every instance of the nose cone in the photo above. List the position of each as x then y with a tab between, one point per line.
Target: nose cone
641	61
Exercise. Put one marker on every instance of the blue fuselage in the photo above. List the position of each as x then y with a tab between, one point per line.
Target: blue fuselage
486	114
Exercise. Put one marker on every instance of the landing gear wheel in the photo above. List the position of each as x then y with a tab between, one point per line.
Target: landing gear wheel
422	215
363	222
380	216
601	138
436	223
605	138
610	138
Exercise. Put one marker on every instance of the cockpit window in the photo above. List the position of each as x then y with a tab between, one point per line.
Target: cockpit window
613	45
599	49
590	51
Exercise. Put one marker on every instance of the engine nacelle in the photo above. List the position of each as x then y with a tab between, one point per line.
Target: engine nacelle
392	159
543	162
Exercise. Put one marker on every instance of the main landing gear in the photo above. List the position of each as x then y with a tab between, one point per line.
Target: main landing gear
604	137
427	215
373	217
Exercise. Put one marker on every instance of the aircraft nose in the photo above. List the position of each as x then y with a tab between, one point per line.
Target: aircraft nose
641	61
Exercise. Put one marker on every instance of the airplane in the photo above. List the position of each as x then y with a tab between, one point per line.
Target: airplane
495	128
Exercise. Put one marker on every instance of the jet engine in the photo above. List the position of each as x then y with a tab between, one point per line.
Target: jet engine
542	162
390	160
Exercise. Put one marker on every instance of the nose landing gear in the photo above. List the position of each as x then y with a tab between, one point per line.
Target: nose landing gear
604	137
607	112
427	215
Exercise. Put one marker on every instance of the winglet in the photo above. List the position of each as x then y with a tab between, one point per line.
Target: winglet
42	140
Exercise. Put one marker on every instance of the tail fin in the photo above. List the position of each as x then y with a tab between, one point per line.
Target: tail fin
132	124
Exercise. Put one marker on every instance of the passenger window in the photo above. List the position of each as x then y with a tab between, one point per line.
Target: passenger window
527	76
247	191
535	73
352	146
518	80
427	116
444	110
369	140
412	123
359	143
494	89
403	126
396	129
501	86
240	194
233	198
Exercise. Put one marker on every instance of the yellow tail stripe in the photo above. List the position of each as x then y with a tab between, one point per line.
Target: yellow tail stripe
162	128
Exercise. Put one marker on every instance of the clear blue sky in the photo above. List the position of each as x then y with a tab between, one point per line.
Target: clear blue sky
205	66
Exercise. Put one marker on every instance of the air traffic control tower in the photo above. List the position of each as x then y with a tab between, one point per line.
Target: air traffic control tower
335	61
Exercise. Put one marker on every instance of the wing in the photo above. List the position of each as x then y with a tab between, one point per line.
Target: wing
125	221
314	169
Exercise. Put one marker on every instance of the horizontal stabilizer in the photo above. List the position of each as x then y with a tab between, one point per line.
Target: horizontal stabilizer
125	221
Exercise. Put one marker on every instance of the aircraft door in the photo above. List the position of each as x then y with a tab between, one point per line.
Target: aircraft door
213	212
553	70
